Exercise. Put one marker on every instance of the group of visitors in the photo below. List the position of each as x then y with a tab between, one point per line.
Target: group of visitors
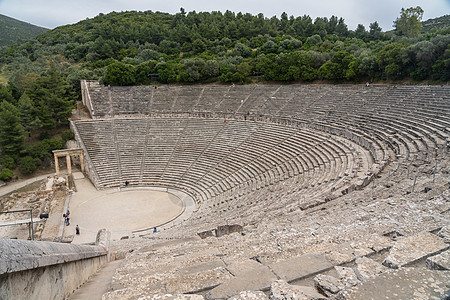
66	218
67	221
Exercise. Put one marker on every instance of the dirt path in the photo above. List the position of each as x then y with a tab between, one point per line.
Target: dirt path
53	222
11	187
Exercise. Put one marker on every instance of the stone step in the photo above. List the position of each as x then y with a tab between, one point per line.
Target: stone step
405	283
98	284
248	275
301	267
413	248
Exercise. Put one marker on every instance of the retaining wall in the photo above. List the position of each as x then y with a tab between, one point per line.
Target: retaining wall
45	270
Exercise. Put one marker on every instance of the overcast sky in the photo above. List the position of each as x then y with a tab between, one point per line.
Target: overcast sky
53	13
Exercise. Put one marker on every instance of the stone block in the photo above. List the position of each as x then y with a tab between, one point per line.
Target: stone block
206	234
347	276
301	266
375	242
191	282
439	262
250	276
242	267
250	295
367	268
404	283
410	249
281	290
200	267
20	255
102	239
347	252
445	234
227	229
67	239
177	297
329	285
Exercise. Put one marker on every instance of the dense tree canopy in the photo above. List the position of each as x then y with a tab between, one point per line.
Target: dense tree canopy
126	48
409	22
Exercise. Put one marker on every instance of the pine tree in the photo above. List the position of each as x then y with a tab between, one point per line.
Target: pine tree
11	133
53	98
27	113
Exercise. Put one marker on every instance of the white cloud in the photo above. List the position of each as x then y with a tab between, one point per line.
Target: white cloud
52	13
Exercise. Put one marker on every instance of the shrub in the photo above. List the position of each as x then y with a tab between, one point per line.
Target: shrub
54	144
6	174
44	135
67	135
28	165
40	150
8	161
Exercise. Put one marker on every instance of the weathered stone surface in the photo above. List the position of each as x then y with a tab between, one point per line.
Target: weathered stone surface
19	255
250	295
241	268
328	284
200	267
375	242
347	276
227	229
220	231
439	262
41	270
413	248
67	239
103	238
281	290
445	234
405	283
196	281
367	268
174	297
301	266
128	294
206	234
347	252
250	276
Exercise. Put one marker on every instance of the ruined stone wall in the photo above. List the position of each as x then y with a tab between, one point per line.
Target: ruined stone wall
45	270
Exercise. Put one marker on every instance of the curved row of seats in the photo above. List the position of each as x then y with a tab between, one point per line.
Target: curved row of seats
208	157
223	143
406	117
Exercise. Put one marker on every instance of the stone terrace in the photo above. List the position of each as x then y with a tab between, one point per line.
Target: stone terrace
335	175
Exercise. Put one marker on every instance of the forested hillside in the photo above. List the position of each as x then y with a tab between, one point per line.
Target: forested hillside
431	25
123	48
12	30
133	48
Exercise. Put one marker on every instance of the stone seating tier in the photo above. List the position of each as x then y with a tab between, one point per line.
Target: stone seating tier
330	135
205	154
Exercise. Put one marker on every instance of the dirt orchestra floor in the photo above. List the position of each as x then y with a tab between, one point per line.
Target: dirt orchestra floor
120	212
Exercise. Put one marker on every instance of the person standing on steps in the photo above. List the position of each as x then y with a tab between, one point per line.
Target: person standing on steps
77	230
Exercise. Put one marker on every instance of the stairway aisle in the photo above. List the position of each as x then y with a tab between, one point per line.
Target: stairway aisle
98	284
